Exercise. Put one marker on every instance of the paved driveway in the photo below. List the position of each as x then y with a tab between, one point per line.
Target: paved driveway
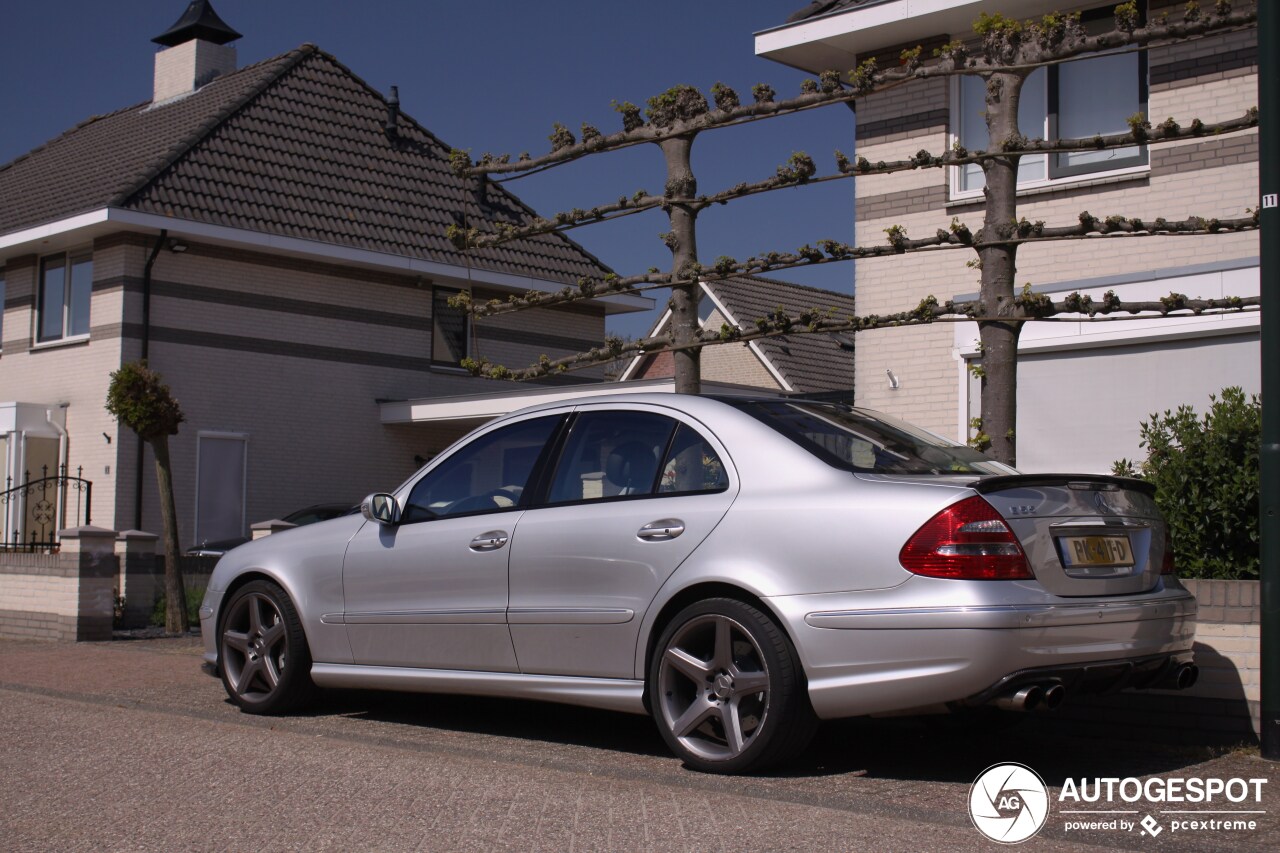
127	746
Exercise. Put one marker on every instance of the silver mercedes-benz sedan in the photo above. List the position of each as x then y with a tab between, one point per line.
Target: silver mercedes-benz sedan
737	568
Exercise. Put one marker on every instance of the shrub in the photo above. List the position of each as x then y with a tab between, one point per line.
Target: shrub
194	597
1205	470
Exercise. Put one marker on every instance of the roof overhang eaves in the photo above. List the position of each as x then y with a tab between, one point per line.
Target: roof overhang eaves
485	407
837	39
59	234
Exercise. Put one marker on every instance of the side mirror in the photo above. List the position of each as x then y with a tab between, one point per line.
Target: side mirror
381	508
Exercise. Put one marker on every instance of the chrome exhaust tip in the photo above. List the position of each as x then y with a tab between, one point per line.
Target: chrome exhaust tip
1187	675
1026	699
1053	696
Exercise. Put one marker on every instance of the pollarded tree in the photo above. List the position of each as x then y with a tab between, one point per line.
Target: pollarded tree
139	399
1004	55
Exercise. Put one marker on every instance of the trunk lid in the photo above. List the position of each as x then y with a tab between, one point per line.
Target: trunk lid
1084	535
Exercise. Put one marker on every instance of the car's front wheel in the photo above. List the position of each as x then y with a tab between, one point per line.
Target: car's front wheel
726	689
265	662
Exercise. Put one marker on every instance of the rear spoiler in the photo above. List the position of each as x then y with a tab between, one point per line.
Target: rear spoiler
1088	482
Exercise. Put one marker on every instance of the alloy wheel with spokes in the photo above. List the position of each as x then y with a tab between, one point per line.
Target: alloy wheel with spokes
726	689
264	659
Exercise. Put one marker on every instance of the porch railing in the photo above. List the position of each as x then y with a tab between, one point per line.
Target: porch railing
35	509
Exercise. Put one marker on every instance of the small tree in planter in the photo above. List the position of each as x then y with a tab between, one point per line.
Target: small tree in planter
1205	470
139	400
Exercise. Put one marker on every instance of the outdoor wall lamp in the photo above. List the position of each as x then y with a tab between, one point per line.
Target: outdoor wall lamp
893	380
176	247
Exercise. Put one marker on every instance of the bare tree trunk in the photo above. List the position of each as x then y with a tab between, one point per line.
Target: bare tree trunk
175	615
683	242
1000	338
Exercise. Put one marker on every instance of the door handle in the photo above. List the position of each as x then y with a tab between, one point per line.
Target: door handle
661	530
491	541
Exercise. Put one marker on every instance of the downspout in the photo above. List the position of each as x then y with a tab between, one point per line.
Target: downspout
146	351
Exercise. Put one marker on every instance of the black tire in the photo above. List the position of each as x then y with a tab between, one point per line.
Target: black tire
263	655
726	689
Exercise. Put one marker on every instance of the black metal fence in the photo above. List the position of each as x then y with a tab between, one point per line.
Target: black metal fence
35	509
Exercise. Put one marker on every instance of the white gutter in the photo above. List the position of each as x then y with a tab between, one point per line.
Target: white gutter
313	249
478	407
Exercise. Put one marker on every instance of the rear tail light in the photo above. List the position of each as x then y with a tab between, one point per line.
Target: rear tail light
1166	564
967	541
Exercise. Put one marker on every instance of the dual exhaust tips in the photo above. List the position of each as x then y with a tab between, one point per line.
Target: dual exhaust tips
1049	695
1033	697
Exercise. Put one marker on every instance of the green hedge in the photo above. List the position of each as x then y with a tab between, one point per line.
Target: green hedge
1205	470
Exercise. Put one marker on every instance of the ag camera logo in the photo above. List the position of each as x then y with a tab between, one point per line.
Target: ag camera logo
1008	803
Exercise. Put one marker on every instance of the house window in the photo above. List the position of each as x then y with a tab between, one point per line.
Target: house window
1074	100
66	287
1	307
449	329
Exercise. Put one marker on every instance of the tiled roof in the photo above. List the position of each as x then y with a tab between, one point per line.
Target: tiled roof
292	146
809	362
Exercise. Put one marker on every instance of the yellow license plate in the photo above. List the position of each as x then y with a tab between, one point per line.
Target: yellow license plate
1095	551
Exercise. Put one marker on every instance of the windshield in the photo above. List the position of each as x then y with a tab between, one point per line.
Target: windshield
863	441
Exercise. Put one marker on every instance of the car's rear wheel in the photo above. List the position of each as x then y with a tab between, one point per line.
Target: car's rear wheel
265	662
726	689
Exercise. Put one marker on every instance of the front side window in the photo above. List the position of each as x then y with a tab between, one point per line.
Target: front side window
66	288
1093	96
448	329
491	473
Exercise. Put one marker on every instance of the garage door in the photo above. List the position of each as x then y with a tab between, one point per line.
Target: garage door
1081	410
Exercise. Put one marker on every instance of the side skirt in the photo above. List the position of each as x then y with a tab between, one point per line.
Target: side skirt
611	694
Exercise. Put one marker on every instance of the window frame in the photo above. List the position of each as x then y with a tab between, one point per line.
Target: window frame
3	295
1056	174
69	259
440	295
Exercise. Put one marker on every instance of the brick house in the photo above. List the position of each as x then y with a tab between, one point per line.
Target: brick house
1108	376
272	239
812	365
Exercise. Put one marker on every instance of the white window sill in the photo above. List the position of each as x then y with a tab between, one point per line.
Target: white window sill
61	342
1119	176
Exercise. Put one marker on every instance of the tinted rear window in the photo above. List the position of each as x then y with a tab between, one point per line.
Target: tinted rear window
858	440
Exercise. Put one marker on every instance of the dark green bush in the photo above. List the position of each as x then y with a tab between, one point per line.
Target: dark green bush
194	597
1205	470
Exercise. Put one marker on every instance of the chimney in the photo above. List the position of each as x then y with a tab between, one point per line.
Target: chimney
196	50
392	127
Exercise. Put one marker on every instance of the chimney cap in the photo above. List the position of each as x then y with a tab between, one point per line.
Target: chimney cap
198	22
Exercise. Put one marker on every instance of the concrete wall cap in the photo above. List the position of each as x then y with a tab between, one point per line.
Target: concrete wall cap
137	534
88	532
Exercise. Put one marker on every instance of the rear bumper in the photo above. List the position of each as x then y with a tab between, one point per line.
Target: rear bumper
1091	678
884	659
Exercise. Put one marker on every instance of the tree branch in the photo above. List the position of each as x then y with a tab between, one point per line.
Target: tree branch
831	251
1034	307
799	172
1011	46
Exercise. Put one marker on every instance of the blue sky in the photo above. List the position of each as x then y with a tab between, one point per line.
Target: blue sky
490	77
